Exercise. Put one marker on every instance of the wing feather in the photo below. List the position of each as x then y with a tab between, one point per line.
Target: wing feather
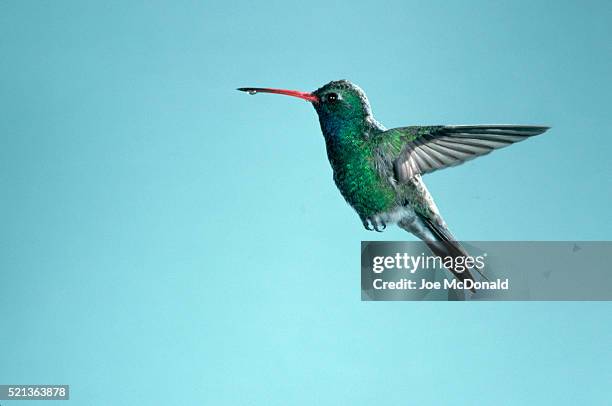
427	149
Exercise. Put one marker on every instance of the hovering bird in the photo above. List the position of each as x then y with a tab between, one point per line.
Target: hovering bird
378	171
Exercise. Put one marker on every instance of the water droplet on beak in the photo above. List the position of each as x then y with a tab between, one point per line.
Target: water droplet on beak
252	92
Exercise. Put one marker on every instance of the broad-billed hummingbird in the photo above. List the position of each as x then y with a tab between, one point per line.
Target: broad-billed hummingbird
378	171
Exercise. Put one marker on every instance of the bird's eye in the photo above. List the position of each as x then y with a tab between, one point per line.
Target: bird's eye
332	97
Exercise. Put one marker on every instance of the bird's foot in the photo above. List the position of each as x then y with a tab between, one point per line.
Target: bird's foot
374	224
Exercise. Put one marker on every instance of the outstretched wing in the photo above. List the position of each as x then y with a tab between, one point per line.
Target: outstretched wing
426	149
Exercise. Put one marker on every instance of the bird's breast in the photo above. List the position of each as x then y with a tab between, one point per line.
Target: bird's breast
358	179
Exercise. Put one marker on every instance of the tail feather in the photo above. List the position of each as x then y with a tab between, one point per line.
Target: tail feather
445	245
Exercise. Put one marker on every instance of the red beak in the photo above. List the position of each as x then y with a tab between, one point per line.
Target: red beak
302	95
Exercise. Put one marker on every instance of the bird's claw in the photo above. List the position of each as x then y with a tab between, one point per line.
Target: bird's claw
374	224
380	226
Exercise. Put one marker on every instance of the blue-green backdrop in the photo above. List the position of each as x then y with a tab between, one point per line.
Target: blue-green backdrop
165	239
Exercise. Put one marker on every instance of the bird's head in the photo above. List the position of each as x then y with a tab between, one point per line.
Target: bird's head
338	103
341	100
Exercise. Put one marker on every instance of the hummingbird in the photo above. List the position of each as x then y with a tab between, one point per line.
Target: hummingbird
379	171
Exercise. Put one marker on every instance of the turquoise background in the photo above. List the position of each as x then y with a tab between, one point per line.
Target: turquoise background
168	240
